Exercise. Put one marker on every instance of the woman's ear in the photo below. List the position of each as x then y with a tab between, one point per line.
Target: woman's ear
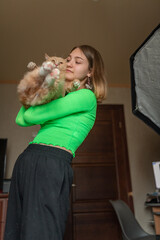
89	73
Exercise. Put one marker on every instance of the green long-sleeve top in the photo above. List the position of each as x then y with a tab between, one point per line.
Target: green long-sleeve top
65	122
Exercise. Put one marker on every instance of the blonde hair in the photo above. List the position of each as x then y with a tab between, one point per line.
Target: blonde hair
96	65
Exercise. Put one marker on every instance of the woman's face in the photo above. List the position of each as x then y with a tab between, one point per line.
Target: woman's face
77	66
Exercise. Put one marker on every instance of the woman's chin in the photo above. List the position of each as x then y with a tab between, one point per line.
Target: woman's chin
69	78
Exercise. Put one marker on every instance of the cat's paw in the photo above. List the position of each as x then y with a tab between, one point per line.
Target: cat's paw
76	84
48	66
49	80
31	65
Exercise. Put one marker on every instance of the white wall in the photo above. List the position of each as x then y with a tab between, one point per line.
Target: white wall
18	137
143	144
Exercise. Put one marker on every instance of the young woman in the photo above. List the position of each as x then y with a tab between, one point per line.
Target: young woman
39	194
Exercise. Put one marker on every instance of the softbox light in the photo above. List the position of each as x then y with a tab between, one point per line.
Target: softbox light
145	80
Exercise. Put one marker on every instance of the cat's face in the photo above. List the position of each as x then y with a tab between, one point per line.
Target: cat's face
58	61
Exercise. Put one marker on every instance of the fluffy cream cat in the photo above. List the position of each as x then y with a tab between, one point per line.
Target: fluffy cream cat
45	83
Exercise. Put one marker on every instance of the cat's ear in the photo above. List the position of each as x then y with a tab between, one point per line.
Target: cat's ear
46	56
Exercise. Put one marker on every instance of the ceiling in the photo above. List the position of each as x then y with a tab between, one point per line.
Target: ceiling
31	28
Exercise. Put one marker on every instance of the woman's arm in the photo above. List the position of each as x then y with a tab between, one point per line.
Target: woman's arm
20	118
79	101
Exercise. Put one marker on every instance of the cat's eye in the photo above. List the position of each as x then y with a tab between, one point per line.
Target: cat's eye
59	63
68	59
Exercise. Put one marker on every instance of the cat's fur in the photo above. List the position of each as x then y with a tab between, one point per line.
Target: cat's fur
40	85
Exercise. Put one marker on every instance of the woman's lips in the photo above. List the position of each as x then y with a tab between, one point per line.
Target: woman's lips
67	70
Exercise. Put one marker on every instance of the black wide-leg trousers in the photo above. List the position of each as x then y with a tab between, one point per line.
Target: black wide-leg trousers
39	194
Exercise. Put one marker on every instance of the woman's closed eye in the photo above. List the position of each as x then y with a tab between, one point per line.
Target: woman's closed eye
76	60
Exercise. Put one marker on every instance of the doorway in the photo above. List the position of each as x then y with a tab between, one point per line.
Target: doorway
101	172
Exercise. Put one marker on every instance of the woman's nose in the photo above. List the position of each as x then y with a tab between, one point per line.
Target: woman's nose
69	64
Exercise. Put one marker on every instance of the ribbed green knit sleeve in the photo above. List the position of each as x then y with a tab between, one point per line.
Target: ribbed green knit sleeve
20	118
74	102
